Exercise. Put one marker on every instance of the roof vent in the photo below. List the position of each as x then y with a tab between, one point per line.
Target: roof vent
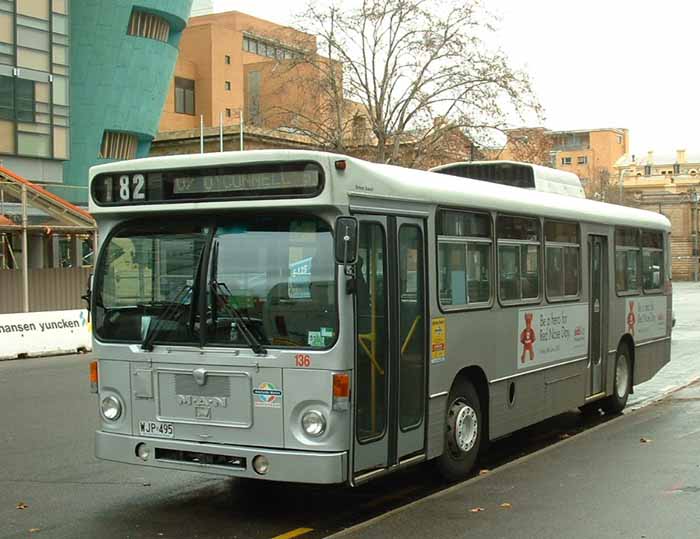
515	174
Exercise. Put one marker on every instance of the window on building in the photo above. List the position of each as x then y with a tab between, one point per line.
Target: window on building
582	160
566	160
116	145
627	260
228	113
562	264
269	49
143	24
518	258
677	168
619	139
647	170
652	260
184	96
227	59
227	85
464	258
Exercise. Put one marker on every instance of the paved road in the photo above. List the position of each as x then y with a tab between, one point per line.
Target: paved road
634	477
46	462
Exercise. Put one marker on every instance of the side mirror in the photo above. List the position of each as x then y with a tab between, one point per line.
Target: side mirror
346	241
87	297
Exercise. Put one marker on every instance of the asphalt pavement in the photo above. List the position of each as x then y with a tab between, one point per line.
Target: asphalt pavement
637	476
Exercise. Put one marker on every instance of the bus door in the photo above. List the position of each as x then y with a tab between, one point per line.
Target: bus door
390	359
598	309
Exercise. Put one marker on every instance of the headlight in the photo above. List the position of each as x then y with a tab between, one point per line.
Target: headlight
313	423
111	408
261	465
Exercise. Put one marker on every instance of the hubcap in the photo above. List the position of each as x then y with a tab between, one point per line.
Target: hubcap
465	426
622	376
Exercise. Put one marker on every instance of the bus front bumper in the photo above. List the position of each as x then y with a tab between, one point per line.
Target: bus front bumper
227	460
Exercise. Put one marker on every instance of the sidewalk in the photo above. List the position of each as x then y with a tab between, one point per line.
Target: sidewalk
637	476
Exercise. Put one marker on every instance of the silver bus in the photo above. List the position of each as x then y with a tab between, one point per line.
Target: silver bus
310	317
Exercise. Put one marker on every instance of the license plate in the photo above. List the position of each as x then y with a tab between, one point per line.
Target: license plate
154	428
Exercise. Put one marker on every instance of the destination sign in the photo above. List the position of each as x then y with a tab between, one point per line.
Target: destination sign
278	180
253	181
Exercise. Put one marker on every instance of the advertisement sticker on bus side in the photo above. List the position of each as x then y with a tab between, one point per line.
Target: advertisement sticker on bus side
549	334
645	318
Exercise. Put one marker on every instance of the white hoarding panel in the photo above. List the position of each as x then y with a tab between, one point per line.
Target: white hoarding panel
36	334
547	334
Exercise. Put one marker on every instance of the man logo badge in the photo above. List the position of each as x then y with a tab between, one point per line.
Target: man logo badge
200	376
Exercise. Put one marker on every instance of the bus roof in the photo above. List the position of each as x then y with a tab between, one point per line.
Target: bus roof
362	181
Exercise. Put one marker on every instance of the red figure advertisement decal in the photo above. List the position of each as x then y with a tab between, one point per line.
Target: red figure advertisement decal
527	339
631	319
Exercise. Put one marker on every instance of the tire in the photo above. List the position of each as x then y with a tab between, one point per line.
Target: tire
615	403
464	425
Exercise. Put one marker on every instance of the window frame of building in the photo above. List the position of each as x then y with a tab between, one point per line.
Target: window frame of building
523	237
647	170
227	59
186	104
582	160
117	145
564	238
626	243
228	113
148	25
566	161
227	85
463	238
652	251
676	169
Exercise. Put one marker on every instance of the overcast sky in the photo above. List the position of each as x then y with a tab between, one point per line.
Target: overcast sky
598	63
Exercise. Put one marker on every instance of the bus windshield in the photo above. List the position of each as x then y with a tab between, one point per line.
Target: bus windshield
269	277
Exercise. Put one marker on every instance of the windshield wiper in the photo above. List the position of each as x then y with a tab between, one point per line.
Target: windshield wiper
236	314
176	302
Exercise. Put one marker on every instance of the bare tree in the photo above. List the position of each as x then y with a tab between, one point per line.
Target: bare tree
417	71
530	145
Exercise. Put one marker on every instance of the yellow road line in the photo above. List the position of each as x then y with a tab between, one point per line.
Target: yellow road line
293	533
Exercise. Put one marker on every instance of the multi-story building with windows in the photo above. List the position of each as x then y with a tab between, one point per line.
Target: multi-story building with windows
34	88
227	65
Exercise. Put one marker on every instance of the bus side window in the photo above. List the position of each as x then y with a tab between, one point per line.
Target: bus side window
518	258
464	258
562	246
652	260
627	260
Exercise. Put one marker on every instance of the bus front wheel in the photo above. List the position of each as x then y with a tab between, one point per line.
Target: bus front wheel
615	403
463	431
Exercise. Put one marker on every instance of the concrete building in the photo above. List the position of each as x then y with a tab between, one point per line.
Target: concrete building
668	183
122	58
589	153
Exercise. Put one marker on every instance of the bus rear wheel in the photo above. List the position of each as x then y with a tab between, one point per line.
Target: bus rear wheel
615	403
463	431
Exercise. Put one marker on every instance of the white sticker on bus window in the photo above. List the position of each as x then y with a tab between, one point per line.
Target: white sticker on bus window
316	339
327	332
